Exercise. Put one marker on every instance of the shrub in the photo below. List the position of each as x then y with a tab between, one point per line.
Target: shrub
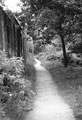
39	46
15	90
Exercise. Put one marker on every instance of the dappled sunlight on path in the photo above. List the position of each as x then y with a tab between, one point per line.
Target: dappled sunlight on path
48	105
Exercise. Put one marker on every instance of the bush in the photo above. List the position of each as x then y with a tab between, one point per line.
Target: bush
39	47
51	58
73	59
15	90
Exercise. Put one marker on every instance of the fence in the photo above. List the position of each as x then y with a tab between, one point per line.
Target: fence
10	35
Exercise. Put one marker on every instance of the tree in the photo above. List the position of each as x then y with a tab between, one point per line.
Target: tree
62	16
67	20
2	3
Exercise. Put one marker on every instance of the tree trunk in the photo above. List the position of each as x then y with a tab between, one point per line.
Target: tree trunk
64	51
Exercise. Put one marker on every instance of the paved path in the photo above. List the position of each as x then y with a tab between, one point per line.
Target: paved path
48	105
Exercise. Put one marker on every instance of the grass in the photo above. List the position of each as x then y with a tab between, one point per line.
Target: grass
69	84
68	80
30	74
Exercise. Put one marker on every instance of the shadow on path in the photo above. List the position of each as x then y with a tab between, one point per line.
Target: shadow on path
48	105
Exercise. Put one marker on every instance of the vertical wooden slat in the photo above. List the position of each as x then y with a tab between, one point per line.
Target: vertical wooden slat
2	31
10	35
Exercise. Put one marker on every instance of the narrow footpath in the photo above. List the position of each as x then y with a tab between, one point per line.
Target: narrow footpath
48	105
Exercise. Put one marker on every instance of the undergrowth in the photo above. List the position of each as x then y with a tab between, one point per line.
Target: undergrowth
69	84
15	89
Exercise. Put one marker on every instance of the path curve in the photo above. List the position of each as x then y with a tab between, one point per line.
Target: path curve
48	105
